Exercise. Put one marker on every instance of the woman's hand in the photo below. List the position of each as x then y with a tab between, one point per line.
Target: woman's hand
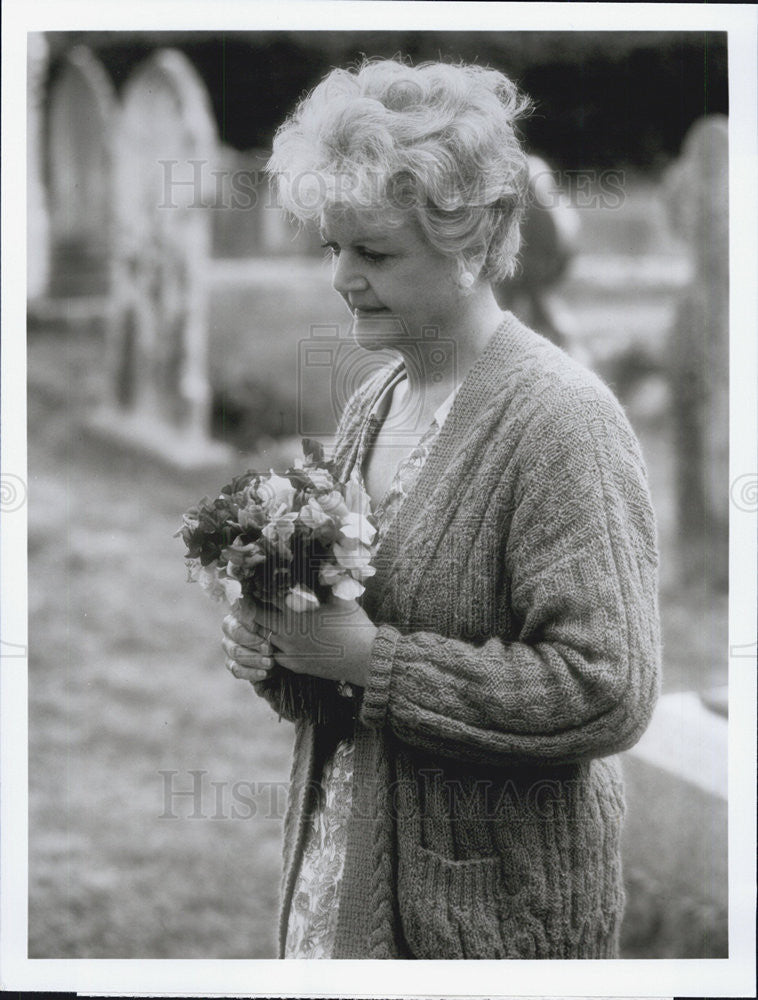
333	642
248	655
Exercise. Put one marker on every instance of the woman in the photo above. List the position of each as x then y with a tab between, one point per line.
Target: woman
465	801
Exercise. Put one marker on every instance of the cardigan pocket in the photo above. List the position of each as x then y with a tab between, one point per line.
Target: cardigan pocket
457	909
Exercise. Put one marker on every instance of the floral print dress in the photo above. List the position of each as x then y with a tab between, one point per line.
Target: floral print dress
312	924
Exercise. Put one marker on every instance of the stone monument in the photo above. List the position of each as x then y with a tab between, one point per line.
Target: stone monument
37	222
157	349
697	197
79	168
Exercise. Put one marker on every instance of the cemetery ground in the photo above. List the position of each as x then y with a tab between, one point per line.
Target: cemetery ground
128	694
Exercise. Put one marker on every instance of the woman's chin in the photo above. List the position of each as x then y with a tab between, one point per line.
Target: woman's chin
377	332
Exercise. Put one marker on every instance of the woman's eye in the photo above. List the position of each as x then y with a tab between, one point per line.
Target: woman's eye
370	256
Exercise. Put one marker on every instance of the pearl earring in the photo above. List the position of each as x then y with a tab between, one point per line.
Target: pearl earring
467	279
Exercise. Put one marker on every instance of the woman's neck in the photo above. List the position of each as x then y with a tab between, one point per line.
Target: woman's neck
437	364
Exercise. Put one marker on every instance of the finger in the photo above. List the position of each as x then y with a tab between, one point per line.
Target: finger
255	616
246	673
254	643
271	617
235	630
243	636
243	655
295	664
269	621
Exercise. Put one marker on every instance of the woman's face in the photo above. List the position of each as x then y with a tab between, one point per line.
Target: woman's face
396	286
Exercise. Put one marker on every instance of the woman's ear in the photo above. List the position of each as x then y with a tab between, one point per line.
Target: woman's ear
470	272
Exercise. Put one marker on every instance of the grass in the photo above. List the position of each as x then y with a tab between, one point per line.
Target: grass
127	680
126	669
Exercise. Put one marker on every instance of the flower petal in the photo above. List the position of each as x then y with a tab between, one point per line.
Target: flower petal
358	526
353	556
333	504
232	589
321	479
362	572
330	573
276	490
193	569
209	581
356	497
348	589
301	598
312	514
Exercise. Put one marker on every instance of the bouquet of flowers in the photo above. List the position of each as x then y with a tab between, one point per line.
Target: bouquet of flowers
287	541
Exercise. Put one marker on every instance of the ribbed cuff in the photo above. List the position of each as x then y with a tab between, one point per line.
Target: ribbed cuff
376	694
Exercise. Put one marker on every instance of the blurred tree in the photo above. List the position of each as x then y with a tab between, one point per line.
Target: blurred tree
603	97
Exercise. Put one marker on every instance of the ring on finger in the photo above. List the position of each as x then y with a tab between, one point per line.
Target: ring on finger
264	640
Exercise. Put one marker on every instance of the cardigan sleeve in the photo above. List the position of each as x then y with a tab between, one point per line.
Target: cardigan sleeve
578	674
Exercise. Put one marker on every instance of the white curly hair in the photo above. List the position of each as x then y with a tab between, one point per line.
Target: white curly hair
437	140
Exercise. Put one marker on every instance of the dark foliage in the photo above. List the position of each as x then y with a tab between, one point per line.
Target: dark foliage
602	98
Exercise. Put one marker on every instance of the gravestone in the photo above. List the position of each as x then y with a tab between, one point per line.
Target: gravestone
247	220
675	849
79	168
159	395
697	197
37	223
549	239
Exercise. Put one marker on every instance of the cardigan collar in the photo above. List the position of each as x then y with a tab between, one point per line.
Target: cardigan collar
399	374
484	379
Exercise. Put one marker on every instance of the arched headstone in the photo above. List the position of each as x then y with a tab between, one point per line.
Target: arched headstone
38	227
158	350
247	219
698	202
79	167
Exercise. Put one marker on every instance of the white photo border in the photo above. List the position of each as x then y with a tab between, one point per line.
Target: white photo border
734	976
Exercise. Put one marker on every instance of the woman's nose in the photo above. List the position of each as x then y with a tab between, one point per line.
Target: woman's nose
347	276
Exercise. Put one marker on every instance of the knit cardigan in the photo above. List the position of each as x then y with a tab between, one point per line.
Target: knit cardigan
518	650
